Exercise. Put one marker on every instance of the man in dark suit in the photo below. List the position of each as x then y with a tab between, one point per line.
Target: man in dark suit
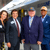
31	30
46	27
13	30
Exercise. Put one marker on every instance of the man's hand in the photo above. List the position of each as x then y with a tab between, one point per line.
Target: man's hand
23	40
38	42
9	44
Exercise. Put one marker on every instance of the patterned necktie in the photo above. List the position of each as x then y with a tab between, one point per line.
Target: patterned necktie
31	21
17	28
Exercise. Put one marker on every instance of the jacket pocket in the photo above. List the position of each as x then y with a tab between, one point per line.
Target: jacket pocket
36	36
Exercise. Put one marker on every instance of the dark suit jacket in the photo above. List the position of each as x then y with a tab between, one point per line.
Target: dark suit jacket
46	28
11	32
33	34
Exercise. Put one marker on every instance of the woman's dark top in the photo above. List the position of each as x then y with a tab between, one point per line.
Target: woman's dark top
2	31
2	28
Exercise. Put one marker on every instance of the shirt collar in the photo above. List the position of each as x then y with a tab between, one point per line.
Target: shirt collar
14	19
44	17
30	17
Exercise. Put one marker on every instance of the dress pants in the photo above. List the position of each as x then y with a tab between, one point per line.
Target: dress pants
31	46
45	44
45	47
17	47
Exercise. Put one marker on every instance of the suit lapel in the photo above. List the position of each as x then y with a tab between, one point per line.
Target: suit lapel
28	21
45	19
19	19
14	24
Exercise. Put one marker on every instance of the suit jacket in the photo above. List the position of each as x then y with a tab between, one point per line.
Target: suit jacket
11	32
46	28
33	34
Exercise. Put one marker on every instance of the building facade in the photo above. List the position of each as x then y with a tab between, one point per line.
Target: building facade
4	2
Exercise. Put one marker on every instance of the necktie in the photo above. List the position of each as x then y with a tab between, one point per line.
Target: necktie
31	21
17	28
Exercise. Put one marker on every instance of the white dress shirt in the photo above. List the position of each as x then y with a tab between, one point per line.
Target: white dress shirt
18	24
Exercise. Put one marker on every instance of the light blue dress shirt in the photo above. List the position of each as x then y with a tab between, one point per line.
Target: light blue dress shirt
30	20
43	18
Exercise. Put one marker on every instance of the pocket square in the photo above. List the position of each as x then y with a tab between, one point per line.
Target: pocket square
46	21
12	22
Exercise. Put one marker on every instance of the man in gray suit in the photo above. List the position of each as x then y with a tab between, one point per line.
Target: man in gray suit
13	30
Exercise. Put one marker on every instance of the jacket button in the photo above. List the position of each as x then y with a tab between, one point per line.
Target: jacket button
29	30
29	34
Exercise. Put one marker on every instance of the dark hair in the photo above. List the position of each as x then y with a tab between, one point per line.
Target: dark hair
0	13
7	14
4	11
13	11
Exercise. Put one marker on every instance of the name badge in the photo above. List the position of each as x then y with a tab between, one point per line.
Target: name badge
12	22
0	26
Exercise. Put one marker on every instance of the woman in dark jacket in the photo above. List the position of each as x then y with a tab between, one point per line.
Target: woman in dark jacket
3	17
